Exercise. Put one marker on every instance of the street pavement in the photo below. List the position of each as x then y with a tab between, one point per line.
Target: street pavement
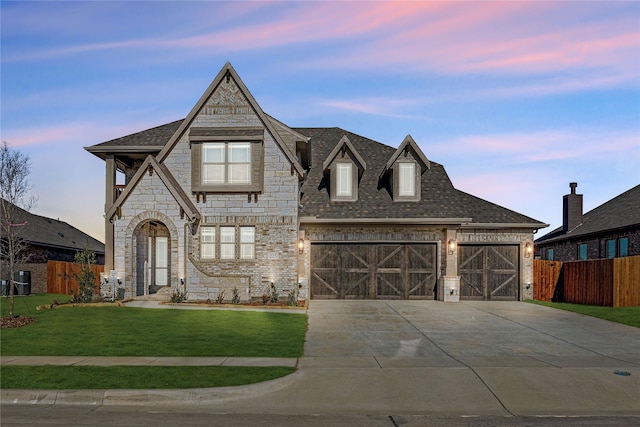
411	359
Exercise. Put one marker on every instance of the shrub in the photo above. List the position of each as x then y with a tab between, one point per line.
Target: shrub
274	293
292	298
178	296
235	297
220	297
86	258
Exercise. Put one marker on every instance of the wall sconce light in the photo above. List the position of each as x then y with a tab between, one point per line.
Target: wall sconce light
301	246
451	246
528	249
181	281
119	281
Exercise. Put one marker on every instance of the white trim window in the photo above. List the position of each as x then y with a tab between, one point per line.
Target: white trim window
226	163
344	176
247	242
407	179
227	242
207	242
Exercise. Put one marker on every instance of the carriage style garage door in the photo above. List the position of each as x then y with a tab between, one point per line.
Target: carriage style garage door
488	272
365	270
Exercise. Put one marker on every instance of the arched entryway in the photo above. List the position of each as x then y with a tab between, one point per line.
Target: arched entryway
152	257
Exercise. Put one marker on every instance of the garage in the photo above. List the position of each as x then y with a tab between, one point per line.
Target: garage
370	271
488	272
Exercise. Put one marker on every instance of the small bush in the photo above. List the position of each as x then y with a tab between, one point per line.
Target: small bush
220	297
274	293
235	297
292	298
178	296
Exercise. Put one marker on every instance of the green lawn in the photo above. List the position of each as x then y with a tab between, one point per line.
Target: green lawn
135	377
627	315
123	331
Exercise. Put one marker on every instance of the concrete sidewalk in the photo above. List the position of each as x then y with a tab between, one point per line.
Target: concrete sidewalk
422	357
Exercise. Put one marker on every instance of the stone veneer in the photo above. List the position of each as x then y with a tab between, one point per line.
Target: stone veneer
274	215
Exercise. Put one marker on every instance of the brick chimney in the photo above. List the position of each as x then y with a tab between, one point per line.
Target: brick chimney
571	209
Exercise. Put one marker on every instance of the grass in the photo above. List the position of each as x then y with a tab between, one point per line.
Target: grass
626	315
135	377
125	331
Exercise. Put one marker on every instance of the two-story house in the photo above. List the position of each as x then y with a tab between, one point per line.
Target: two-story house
230	197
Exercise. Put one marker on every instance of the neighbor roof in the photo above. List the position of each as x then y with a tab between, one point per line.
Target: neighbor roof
43	231
620	212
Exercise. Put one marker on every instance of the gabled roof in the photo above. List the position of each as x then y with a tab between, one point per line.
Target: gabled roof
228	72
623	211
343	146
53	233
149	166
408	144
440	202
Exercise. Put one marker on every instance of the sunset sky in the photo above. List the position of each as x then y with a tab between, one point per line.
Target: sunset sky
515	99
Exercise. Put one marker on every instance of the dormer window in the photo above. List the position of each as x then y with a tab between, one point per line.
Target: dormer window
406	179
343	169
344	180
402	174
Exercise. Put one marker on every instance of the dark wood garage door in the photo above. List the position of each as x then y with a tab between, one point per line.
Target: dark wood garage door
488	272
393	271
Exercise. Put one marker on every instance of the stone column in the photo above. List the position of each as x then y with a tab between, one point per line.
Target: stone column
451	280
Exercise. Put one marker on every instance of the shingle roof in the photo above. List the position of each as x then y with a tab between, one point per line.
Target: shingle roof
439	199
154	137
43	231
620	212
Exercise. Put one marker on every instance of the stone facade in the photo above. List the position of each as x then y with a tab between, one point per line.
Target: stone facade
273	213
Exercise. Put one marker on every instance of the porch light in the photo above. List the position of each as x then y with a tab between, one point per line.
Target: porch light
451	246
528	249
301	246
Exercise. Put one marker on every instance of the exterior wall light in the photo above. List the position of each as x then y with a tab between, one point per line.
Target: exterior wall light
451	246
301	246
528	250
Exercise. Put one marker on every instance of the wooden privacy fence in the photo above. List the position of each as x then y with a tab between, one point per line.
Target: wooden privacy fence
61	277
613	282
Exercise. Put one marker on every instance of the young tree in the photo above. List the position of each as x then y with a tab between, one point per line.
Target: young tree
14	192
86	258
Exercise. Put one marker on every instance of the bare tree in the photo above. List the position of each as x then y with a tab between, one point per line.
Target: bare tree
14	192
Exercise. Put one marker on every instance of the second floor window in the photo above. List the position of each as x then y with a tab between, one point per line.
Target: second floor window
344	185
407	179
226	163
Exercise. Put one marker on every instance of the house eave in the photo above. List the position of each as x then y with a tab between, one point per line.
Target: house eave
395	221
503	225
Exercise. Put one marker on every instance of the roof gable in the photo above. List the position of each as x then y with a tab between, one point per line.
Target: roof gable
408	144
149	165
228	72
342	147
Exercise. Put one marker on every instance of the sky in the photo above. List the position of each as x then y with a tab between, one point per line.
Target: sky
515	99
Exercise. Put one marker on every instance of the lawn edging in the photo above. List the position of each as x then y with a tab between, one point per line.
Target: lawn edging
154	397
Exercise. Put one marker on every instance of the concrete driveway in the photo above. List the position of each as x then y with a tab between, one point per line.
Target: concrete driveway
474	358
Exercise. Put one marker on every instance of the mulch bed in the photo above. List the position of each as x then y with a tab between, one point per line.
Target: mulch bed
15	322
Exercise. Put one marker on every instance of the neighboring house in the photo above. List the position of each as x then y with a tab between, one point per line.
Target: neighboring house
48	240
611	230
230	198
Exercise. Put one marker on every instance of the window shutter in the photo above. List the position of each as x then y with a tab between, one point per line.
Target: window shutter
196	162
257	166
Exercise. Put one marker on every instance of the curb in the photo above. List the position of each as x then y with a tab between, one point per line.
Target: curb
130	397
